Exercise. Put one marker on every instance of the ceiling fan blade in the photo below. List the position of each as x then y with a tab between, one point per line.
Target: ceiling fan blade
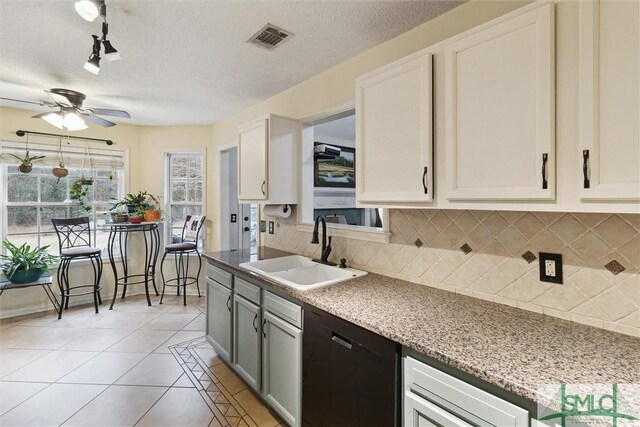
110	112
99	120
39	116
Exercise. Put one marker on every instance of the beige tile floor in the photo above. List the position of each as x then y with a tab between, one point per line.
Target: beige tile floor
134	365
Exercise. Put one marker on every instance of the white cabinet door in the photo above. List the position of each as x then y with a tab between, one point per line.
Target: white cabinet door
499	113
393	133
609	104
247	342
282	367
219	318
253	160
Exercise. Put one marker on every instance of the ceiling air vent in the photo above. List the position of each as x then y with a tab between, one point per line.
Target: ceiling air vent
269	37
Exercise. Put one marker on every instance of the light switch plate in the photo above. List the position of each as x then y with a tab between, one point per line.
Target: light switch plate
263	226
550	267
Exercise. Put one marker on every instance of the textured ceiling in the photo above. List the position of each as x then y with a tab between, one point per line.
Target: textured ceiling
186	62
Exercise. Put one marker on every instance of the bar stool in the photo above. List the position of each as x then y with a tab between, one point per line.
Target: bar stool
188	245
74	239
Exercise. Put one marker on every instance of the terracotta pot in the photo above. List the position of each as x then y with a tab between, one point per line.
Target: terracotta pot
24	168
135	219
152	215
60	172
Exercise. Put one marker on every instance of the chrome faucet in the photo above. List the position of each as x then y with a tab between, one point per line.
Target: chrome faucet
326	247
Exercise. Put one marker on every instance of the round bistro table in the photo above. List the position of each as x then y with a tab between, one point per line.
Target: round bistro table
119	235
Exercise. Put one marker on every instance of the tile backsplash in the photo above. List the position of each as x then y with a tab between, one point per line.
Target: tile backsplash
488	255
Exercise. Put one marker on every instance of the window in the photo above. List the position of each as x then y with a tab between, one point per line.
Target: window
31	200
184	191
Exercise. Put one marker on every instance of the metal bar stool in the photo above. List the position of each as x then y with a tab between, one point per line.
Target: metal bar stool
181	251
74	239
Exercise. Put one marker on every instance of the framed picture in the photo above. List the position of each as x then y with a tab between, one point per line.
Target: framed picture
337	172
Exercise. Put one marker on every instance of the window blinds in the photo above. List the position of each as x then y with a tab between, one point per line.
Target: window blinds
74	156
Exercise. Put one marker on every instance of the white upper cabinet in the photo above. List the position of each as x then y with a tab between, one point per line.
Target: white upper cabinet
268	161
394	133
609	107
499	114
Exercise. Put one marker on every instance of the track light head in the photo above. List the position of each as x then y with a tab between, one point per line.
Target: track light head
93	63
110	52
91	9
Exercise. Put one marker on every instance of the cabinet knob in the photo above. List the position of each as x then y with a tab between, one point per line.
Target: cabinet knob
247	229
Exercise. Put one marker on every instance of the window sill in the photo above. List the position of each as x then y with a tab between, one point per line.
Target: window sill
368	234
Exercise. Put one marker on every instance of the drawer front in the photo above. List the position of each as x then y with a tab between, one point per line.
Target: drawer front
460	398
286	310
219	275
248	290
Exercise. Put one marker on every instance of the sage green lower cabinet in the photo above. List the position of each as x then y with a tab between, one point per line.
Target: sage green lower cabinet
282	367
219	318
247	328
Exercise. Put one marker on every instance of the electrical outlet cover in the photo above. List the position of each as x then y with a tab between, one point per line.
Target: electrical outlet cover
544	269
271	227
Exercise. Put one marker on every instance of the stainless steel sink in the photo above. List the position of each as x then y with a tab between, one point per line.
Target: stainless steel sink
301	272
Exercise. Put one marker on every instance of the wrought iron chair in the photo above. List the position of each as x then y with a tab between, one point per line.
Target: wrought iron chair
74	242
181	251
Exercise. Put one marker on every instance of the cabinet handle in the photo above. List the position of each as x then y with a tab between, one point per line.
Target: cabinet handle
424	180
545	157
254	322
262	188
264	329
585	169
341	340
229	303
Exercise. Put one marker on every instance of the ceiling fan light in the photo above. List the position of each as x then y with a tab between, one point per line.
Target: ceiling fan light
87	9
110	52
72	122
54	119
93	64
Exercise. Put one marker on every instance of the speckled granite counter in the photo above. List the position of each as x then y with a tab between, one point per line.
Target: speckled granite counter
505	346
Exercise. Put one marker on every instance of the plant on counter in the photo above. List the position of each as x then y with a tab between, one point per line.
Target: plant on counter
26	163
24	265
78	192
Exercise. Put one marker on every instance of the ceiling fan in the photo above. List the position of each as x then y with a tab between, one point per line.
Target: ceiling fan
70	112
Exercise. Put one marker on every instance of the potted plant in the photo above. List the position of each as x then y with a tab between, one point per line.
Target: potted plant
24	265
78	192
137	216
61	171
26	163
135	201
153	211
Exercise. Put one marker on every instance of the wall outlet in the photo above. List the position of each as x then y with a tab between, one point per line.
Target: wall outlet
550	267
263	226
270	227
234	218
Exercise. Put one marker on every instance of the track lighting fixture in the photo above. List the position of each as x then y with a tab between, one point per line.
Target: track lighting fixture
93	63
90	9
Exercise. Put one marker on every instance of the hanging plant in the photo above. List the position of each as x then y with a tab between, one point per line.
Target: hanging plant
26	163
61	171
87	154
78	192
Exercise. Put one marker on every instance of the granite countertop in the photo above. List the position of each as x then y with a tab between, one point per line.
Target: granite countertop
509	347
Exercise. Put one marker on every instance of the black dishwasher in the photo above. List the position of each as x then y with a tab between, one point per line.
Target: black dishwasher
350	375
